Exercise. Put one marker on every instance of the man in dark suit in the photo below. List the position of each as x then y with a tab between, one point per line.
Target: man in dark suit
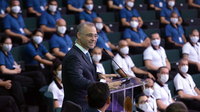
78	70
98	97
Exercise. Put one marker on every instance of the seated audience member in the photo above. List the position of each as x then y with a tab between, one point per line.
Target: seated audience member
157	4
116	4
148	90
136	38
166	12
174	32
7	104
56	86
142	103
75	6
154	56
161	90
191	51
9	66
128	12
194	3
125	62
14	25
60	43
98	97
48	18
176	107
36	7
4	9
34	53
89	15
186	87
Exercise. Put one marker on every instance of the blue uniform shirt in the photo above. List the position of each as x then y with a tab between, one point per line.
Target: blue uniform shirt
86	16
3	6
165	12
31	51
63	43
125	13
36	4
102	43
158	3
117	2
76	3
138	36
103	35
7	61
14	24
176	34
48	19
196	2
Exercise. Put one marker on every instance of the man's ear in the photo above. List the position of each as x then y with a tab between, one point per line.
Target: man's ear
87	98
78	35
108	101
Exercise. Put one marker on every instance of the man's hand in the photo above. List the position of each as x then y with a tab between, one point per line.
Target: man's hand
102	76
197	97
151	76
7	84
107	29
24	39
38	14
114	85
18	70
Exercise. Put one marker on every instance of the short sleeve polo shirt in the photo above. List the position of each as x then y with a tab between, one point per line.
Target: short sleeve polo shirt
48	19
38	5
118	2
7	60
103	35
100	68
76	3
125	63
3	6
125	13
165	12
63	43
158	3
102	43
186	84
176	34
138	36
31	51
16	25
157	56
86	16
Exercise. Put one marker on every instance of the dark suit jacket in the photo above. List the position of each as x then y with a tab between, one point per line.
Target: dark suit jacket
77	74
90	109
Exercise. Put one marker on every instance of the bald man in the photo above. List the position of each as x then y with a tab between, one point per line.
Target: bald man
60	43
125	62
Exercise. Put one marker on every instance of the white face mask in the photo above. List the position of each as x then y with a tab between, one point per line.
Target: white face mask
171	3
37	39
164	78
89	7
59	74
61	29
16	9
7	48
134	24
194	39
99	26
52	8
155	42
144	107
96	58
174	20
184	69
124	50
130	4
148	91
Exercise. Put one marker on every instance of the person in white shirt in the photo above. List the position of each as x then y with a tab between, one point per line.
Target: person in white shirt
191	50
148	90
186	87
125	62
56	86
142	103
161	90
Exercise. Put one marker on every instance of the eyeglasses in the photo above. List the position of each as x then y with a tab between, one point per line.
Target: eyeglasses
142	102
90	35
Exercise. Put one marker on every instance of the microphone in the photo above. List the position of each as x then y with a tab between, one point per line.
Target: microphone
125	81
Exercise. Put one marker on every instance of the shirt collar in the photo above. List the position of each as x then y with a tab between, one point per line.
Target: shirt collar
182	75
139	110
192	44
99	110
81	48
173	25
159	84
57	84
154	47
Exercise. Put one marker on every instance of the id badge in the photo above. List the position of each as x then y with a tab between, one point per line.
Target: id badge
180	39
42	65
42	8
107	45
2	12
14	66
141	41
69	48
21	30
120	5
160	4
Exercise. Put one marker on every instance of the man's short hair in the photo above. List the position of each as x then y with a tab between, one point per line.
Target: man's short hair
81	26
194	30
98	93
176	107
51	1
160	68
180	61
154	33
173	13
